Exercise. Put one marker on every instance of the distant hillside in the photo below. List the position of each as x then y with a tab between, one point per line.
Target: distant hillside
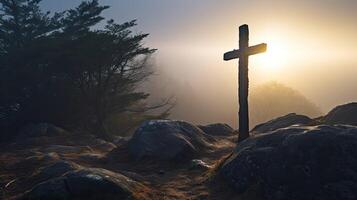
272	100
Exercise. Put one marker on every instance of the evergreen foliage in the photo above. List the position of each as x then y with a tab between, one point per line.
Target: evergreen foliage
62	69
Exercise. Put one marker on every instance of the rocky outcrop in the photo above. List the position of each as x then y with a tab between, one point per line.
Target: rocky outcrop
282	122
167	140
91	183
316	162
343	114
218	129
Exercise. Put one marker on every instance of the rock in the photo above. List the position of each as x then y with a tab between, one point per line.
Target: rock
92	183
282	122
103	145
118	140
41	130
316	162
57	169
343	114
62	149
167	140
52	156
199	164
53	189
218	129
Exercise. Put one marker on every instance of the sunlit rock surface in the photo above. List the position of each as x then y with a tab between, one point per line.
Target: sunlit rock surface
218	129
343	114
167	140
282	122
199	164
316	162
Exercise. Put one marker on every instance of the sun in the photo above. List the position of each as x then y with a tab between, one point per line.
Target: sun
275	57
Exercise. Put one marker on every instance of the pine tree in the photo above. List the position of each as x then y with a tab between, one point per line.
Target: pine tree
63	69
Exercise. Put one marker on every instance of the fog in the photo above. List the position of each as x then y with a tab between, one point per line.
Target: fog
314	41
210	105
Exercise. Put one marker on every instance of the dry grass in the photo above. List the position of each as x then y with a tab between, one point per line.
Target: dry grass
177	182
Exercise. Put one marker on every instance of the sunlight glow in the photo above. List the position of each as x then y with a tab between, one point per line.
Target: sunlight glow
276	57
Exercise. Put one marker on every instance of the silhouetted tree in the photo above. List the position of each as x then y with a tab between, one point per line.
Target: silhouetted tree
60	69
21	24
272	100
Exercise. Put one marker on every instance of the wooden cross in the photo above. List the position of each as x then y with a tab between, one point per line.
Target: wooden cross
243	54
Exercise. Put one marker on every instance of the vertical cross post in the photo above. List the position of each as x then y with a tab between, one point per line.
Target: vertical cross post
243	83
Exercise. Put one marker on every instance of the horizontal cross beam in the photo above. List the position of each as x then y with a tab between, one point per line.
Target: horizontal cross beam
260	48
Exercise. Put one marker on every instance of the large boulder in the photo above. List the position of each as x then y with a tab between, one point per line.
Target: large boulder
343	114
218	129
56	169
296	163
92	183
167	140
282	122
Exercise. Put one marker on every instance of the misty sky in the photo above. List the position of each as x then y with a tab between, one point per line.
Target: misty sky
313	44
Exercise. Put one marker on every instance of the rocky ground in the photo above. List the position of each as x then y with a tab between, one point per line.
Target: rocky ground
291	157
50	163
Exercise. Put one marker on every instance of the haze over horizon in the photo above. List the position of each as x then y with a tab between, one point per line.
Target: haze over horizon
311	47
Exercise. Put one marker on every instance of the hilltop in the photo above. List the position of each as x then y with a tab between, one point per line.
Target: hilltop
291	157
